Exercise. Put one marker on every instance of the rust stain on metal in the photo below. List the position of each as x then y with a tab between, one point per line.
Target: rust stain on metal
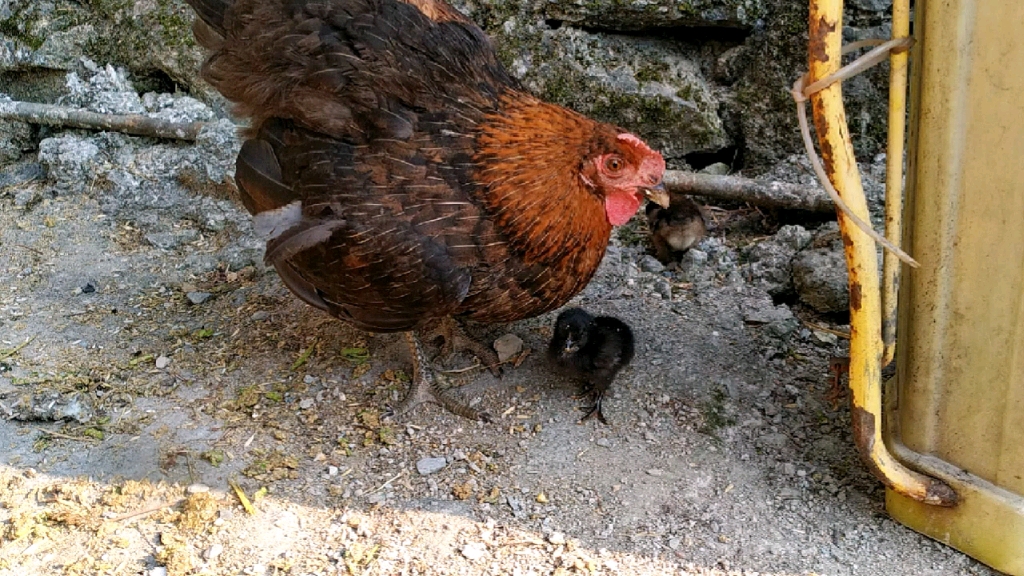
855	296
819	36
847	241
864	438
916	486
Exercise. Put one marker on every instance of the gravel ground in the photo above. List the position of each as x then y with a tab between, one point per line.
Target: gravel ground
151	370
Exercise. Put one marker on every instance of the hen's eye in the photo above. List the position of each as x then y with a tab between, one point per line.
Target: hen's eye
614	164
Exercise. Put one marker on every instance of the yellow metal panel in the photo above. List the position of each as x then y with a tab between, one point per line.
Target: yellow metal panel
960	376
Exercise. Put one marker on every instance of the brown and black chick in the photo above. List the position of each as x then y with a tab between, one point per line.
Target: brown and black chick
591	349
675	229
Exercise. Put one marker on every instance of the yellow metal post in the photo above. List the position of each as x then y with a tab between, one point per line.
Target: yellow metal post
894	177
825	48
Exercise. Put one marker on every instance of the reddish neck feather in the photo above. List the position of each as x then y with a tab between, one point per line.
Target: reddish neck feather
530	154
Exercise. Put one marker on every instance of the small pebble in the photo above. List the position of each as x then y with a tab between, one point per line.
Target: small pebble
306	403
542	498
162	361
213	551
158	571
655	472
197	488
427	466
198	297
508	346
474	550
663	289
556	538
332	470
260	315
650	264
604	442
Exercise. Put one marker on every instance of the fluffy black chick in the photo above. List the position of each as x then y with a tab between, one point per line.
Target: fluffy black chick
592	350
676	228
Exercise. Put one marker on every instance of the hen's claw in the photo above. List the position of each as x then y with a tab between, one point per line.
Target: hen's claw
427	387
455	338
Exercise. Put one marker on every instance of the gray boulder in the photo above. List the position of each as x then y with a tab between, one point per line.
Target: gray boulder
820	278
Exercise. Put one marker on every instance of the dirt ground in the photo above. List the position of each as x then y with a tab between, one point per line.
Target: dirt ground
177	367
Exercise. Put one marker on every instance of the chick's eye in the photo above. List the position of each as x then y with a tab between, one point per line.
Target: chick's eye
614	164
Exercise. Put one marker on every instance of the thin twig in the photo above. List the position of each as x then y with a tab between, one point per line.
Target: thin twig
386	484
840	333
137	124
147	510
476	365
4	355
64	436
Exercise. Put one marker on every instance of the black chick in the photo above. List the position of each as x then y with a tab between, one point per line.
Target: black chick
593	350
676	228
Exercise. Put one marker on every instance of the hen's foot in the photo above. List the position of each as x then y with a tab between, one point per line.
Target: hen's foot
595	410
455	338
429	387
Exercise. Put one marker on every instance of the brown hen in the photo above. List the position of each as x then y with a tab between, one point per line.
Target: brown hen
400	175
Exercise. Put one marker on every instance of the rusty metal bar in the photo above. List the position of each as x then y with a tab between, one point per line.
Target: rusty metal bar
825	46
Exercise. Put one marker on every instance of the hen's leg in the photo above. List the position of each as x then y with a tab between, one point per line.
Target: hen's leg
456	339
428	387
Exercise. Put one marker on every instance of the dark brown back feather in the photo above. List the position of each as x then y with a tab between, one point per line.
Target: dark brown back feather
403	174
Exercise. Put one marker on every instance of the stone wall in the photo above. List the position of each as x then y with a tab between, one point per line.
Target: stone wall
704	80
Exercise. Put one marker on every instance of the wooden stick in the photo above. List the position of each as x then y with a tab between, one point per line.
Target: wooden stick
759	192
137	124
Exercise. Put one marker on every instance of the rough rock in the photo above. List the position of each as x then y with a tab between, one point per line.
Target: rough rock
637	16
18	174
820	278
69	160
644	83
872	5
15	140
48	406
650	264
769	264
759	310
152	38
427	466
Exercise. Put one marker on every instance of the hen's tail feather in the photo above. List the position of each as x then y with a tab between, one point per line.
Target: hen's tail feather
212	12
259	178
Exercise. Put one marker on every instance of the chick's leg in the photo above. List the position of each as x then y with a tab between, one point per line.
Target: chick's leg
455	338
428	386
595	392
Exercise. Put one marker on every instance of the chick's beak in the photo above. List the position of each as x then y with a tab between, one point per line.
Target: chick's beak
657	194
570	346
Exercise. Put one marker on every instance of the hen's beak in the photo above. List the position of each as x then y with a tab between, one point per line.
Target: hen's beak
657	194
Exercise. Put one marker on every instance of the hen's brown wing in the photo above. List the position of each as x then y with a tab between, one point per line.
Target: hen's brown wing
359	165
386	245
